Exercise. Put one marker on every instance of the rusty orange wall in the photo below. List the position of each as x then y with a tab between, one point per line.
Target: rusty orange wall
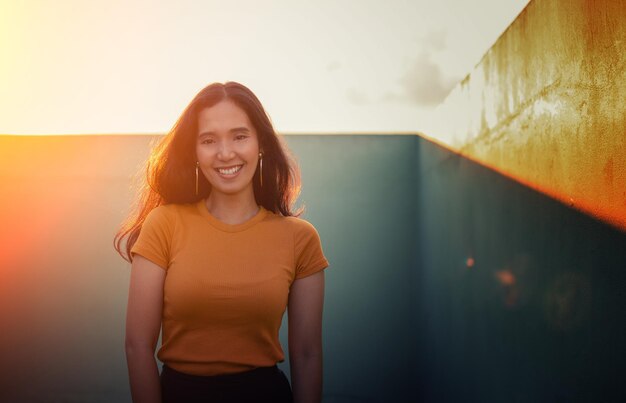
546	105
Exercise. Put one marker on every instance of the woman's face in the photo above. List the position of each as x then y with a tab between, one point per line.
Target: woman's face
227	148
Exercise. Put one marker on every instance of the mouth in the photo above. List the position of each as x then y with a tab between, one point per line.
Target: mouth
229	171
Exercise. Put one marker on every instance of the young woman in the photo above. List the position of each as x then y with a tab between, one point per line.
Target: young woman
217	256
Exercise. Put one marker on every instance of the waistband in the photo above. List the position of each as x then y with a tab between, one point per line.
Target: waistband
238	376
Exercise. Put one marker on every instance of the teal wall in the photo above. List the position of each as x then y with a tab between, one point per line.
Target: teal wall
359	195
538	317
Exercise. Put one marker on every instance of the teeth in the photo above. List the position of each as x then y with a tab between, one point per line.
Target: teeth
229	171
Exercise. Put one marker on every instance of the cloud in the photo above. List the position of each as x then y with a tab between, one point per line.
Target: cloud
423	84
434	40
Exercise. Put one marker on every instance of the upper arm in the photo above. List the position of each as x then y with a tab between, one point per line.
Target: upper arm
305	308
309	257
145	304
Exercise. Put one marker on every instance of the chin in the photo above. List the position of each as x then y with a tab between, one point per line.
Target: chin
230	191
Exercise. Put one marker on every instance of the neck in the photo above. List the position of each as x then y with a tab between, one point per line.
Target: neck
231	209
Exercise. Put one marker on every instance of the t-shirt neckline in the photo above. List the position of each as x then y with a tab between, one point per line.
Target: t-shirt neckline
260	215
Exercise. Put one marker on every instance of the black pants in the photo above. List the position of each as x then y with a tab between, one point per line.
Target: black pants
264	384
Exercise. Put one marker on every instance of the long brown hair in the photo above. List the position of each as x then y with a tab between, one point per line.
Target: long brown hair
170	170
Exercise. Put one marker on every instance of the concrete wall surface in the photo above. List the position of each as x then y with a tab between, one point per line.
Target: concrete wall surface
447	281
516	297
546	103
63	288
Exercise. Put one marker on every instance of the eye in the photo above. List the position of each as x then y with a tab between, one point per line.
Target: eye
207	141
241	137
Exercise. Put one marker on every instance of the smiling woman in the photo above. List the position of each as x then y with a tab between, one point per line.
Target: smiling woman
228	149
217	256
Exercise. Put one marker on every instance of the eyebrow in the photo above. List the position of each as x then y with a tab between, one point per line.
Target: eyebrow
241	129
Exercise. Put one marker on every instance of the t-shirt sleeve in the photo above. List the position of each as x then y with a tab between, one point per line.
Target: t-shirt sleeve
155	238
309	255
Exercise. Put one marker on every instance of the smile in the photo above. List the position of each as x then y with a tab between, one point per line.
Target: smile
229	171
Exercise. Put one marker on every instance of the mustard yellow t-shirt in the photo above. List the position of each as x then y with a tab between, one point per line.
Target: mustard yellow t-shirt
226	286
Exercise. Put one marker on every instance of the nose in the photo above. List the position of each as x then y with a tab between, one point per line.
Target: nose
225	151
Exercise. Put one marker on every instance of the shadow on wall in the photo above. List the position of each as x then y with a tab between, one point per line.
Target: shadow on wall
520	298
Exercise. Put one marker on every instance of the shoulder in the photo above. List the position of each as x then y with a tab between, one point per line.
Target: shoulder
162	212
174	208
299	225
303	231
165	214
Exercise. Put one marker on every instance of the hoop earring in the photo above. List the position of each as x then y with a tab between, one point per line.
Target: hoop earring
261	168
197	165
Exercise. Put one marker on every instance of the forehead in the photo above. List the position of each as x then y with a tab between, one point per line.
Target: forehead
223	115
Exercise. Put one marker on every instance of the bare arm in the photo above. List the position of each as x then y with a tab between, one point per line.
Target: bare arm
143	323
306	300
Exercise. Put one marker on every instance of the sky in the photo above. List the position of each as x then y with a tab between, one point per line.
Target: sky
324	66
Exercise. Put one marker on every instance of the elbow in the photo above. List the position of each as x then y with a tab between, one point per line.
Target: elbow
135	347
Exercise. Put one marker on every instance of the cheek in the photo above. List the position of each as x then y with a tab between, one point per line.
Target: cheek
203	155
254	148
